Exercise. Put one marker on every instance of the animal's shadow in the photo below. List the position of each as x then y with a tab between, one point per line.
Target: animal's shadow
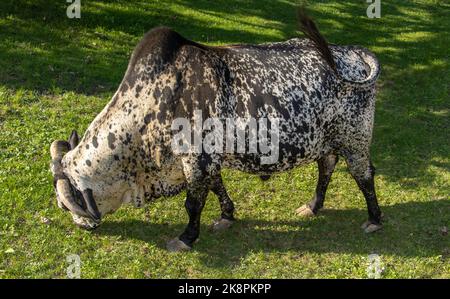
405	233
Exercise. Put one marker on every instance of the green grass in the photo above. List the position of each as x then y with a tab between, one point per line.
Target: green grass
56	74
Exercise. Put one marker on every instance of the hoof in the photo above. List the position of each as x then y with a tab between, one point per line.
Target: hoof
370	227
305	211
221	224
176	245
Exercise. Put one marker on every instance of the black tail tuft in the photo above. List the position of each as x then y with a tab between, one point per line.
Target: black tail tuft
309	28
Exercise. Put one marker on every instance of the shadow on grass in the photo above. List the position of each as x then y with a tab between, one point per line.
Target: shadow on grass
42	50
411	41
405	233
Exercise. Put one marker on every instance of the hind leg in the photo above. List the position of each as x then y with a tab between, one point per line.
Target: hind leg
363	172
226	205
326	167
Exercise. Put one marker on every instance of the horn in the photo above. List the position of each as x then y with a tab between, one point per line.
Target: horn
66	196
57	151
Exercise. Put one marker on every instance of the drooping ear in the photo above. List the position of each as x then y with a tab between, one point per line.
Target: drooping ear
91	206
74	139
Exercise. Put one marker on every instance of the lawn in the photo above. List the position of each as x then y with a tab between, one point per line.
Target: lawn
57	73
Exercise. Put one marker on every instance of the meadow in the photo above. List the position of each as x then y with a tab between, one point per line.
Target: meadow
56	74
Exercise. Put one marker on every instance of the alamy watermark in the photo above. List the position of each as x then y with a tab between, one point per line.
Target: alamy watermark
374	266
74	268
374	9
74	9
227	135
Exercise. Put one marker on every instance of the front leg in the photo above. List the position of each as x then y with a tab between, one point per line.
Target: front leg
199	176
195	201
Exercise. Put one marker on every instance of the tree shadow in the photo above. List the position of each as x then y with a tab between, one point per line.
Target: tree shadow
44	51
411	41
404	234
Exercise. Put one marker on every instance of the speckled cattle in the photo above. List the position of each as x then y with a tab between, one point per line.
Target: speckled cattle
323	95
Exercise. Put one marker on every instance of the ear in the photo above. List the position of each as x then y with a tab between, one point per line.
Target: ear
74	139
91	206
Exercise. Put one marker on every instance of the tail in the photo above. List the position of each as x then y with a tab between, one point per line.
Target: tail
309	28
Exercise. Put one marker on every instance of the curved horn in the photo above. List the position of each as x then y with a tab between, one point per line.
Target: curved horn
57	151
65	194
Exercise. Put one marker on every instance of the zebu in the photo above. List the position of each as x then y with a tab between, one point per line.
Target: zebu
323	95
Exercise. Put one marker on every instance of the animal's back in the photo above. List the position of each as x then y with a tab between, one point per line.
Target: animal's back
288	81
292	82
